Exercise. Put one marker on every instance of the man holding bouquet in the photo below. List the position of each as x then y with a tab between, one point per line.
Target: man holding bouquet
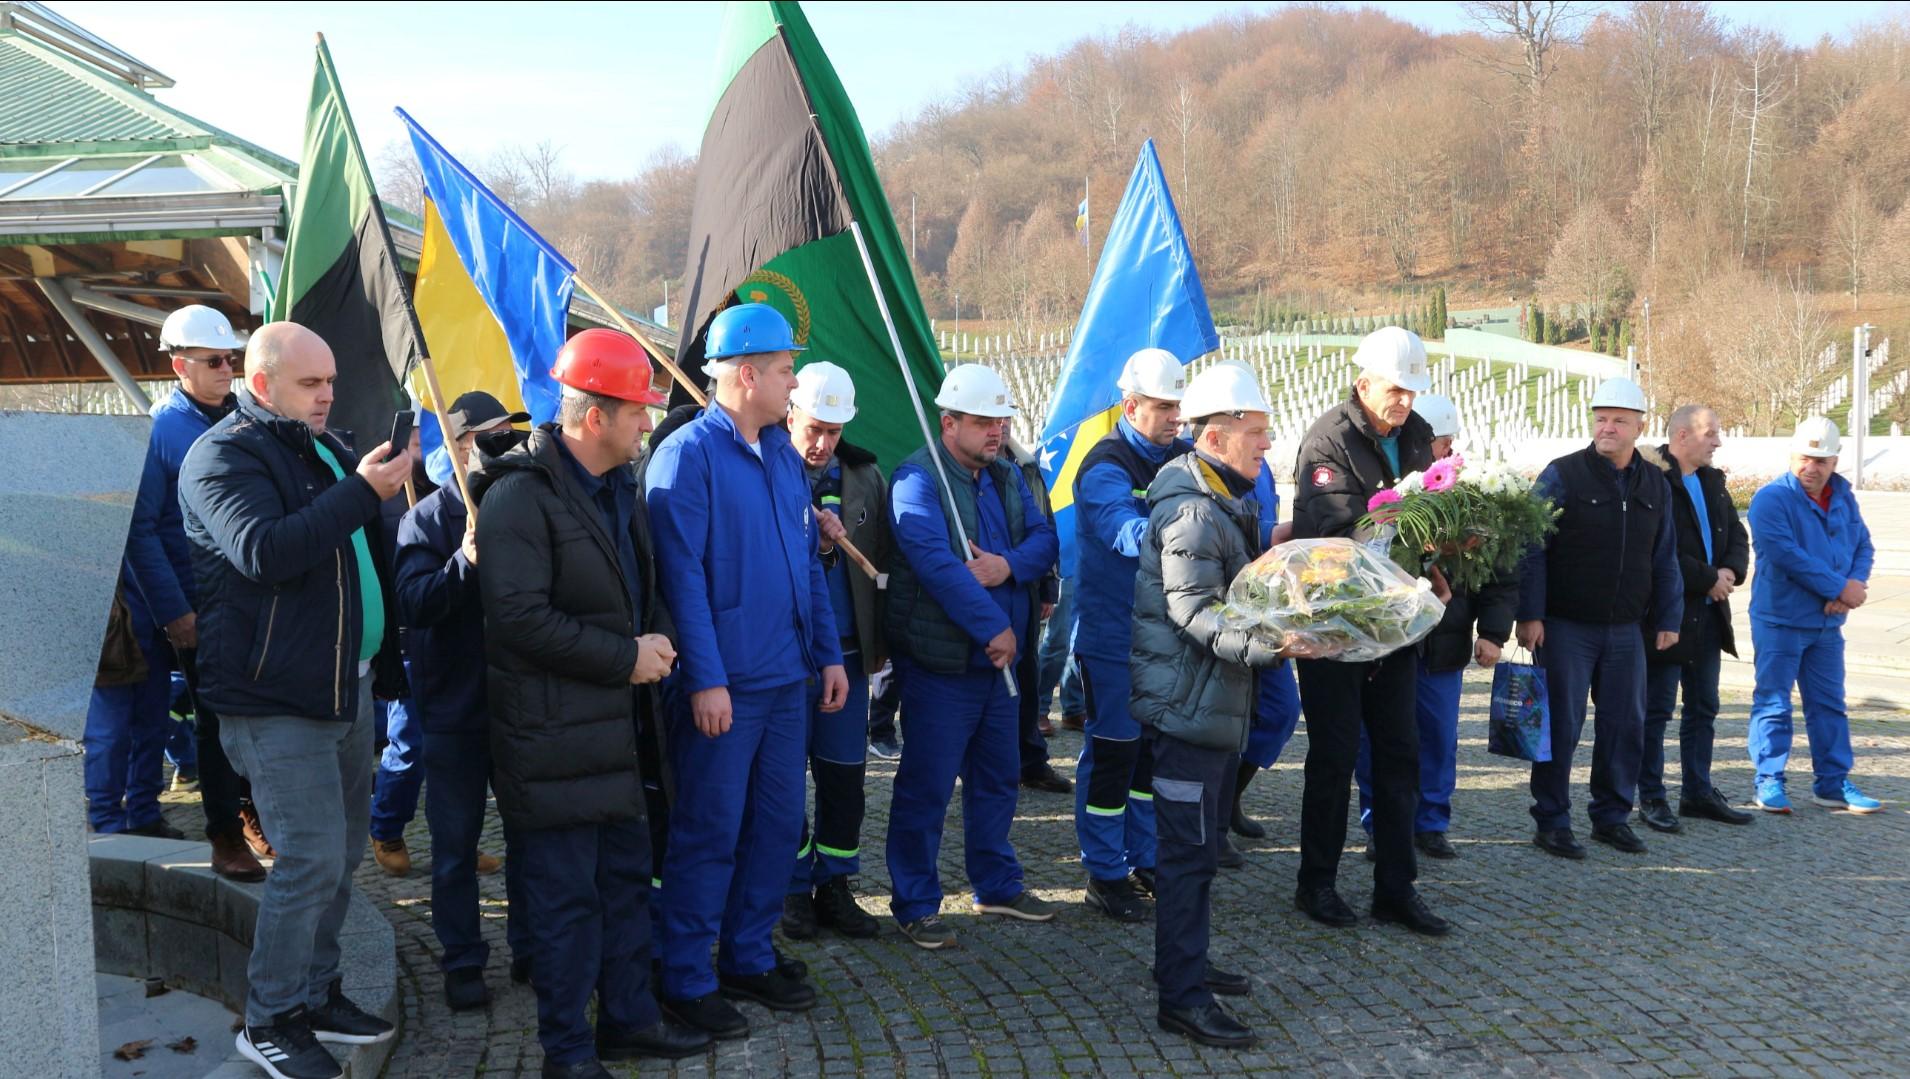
1357	449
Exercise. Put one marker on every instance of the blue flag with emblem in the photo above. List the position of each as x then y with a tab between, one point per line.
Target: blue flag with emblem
1146	293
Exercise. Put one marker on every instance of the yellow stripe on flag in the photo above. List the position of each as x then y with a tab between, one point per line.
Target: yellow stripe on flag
467	345
1092	430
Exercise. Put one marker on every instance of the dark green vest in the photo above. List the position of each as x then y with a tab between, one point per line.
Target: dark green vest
916	623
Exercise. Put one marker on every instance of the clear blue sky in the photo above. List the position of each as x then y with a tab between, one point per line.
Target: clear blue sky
610	84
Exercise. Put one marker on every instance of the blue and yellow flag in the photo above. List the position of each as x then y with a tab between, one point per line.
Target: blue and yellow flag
1081	221
491	295
1146	293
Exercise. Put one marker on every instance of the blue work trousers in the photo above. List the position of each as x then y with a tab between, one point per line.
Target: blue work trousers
838	750
953	725
394	790
737	818
1813	661
1436	709
459	770
1113	797
588	892
1607	664
126	732
1276	714
1056	666
1193	788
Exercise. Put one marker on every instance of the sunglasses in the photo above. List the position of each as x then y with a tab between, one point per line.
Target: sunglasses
216	360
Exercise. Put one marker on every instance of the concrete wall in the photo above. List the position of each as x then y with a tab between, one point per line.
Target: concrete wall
66	495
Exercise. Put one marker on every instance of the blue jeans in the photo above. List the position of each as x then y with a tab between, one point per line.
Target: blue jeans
737	817
837	748
588	889
394	797
311	785
1696	725
1436	708
1813	661
127	728
953	725
1055	665
459	769
1606	663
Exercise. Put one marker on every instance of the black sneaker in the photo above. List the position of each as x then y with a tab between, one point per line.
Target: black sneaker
1143	879
836	908
287	1049
799	916
770	989
1117	899
344	1023
709	1013
886	749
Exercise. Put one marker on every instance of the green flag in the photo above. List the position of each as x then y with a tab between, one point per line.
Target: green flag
783	171
341	277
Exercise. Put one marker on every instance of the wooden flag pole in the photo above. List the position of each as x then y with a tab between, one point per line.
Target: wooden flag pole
695	391
881	579
444	428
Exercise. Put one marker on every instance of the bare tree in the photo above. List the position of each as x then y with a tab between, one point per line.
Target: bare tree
1538	26
1853	227
1590	264
1804	354
1759	91
545	178
399	180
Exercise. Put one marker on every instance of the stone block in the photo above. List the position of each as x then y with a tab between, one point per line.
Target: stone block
186	954
117	866
234	983
180	884
119	941
238	909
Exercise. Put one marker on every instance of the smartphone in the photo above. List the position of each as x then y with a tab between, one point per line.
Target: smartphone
401	422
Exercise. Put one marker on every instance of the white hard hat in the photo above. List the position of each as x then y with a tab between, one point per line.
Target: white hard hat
1816	437
1396	355
975	390
825	392
1156	373
196	326
1438	410
1620	393
1224	387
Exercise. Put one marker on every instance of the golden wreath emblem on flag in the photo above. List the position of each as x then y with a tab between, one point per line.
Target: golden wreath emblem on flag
756	289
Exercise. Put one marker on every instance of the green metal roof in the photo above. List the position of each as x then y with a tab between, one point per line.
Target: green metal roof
51	101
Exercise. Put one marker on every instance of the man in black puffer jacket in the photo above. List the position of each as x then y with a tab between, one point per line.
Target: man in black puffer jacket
572	629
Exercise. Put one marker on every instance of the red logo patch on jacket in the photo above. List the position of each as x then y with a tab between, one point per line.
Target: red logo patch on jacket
1322	476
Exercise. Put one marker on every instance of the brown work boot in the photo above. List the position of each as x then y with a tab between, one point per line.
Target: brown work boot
392	855
255	833
488	864
231	860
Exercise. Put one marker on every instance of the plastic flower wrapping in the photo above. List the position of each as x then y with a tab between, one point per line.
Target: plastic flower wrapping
1331	599
1474	521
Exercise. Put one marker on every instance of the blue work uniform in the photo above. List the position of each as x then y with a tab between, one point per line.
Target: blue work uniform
1806	554
736	556
1276	712
960	722
1113	790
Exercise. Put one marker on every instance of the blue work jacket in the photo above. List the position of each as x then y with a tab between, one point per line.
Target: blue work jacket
1110	516
1805	555
158	570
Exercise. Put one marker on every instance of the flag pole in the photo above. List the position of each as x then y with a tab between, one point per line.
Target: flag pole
444	428
915	398
695	391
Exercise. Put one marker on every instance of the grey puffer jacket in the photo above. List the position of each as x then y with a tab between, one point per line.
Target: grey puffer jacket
1192	677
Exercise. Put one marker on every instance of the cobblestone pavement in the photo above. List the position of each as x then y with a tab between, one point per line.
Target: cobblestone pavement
1774	949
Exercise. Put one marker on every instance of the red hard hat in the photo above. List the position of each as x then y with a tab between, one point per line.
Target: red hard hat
607	362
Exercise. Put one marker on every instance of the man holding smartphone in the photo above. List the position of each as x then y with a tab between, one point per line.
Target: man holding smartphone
288	552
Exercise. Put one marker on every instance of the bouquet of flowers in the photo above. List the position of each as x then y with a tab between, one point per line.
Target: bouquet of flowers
1475	522
1331	599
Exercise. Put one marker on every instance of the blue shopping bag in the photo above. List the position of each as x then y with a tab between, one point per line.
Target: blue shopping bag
1520	721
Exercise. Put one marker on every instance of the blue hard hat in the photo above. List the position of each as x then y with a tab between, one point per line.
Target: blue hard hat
748	329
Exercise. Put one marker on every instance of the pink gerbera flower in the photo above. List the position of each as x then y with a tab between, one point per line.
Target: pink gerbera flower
1383	498
1444	473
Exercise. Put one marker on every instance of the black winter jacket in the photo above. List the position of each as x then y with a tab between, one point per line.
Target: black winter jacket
280	610
1340	466
1730	549
1449	646
559	642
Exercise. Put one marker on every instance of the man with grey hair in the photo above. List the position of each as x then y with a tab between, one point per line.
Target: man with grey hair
287	549
1713	559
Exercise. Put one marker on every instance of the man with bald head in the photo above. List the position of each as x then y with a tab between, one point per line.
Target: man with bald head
287	549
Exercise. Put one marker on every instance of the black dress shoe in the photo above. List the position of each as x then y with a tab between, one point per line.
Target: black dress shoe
709	1013
1657	815
770	989
1045	778
662	1039
1325	906
1713	807
1208	1024
793	969
1410	912
583	1069
1226	984
521	969
1559	841
799	916
1230	856
464	989
157	829
1434	845
1246	827
1619	837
